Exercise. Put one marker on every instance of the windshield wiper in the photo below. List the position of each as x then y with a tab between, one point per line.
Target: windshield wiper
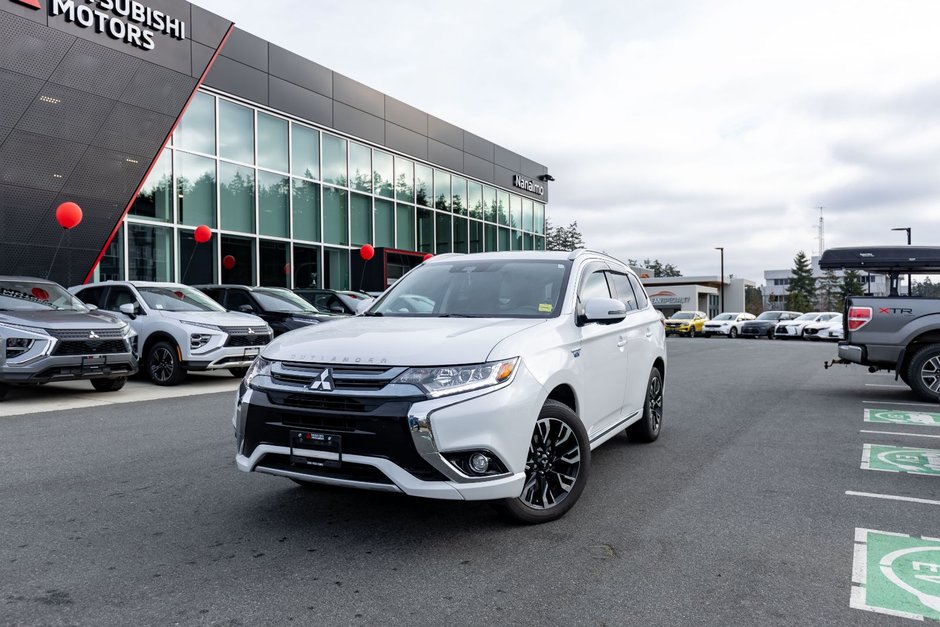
457	316
377	314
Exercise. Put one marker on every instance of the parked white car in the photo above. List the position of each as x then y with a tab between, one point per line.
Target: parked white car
180	328
788	329
727	324
820	330
475	377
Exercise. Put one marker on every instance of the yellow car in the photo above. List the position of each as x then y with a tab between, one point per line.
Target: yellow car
686	323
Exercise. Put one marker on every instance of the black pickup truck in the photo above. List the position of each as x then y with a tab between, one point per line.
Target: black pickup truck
895	333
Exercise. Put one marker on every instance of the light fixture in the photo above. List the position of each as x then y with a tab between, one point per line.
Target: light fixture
50	100
546	177
134	161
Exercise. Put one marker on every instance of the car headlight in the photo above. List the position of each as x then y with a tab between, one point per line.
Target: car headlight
202	325
259	366
446	380
23	327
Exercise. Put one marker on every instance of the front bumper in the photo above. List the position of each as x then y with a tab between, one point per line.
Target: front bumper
222	358
71	368
395	443
753	331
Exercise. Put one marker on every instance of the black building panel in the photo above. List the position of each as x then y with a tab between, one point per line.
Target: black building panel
206	28
445	132
300	71
158	89
28	160
479	168
508	159
479	147
95	69
18	93
397	112
303	103
239	79
65	113
104	173
532	169
23	209
133	130
357	95
406	141
201	57
358	123
444	155
30	48
248	49
26	12
3	134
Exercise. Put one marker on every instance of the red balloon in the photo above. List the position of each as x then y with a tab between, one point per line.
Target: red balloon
68	215
40	293
287	268
428	256
367	252
203	234
228	262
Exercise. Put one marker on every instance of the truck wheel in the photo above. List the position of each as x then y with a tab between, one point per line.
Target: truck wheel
163	364
108	385
556	469
649	426
923	372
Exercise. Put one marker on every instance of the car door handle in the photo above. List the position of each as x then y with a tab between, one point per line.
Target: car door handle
649	333
622	342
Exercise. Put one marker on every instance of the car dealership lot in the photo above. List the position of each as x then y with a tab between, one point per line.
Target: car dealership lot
738	514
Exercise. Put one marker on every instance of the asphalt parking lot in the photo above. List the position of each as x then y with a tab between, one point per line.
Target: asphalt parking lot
764	502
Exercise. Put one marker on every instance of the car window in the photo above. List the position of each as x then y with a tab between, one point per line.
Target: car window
30	295
621	285
594	286
215	293
238	298
91	295
119	295
177	298
642	300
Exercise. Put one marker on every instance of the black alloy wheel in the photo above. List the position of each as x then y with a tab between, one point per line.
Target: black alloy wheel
556	467
163	364
649	426
108	385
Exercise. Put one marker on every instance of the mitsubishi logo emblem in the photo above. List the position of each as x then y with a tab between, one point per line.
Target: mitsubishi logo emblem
324	382
251	331
94	336
33	4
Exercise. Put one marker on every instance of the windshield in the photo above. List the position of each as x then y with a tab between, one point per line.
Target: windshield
37	296
178	298
684	315
725	317
478	289
769	315
285	301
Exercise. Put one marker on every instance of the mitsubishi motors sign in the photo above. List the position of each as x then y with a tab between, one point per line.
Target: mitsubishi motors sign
127	21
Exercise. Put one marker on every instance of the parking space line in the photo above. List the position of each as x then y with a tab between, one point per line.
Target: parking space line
913	435
891	497
885	385
907	404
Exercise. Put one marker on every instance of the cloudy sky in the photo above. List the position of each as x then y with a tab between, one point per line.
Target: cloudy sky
672	127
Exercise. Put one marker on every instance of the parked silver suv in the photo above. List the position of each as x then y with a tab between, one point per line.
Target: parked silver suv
180	328
48	335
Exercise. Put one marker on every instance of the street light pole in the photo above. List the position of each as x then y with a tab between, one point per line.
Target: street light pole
908	229
721	303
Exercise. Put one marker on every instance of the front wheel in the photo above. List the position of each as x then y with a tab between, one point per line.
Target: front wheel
770	334
163	364
556	469
692	332
3	391
648	428
108	385
733	333
238	373
923	372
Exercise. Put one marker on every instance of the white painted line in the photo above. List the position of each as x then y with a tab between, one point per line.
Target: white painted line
890	497
913	435
860	563
885	385
908	404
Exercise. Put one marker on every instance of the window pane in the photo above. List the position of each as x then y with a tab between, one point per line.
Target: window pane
195	185
425	231
306	210
196	131
383	173
527	242
111	267
306	266
490	242
237	197
384	224
197	261
489	203
236	132
515	211
476	236
336	269
275	264
459	195
502	207
475	200
461	236
504	239
423	185
539	220
238	260
539	243
273	204
404	180
306	152
360	219
272	142
441	190
444	243
405	228
151	253
517	240
528	216
360	167
155	200
335	216
334	159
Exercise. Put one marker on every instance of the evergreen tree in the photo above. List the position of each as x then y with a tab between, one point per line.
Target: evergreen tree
563	238
659	268
801	293
753	301
851	285
829	295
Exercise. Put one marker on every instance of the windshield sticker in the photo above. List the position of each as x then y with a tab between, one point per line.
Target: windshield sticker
543	308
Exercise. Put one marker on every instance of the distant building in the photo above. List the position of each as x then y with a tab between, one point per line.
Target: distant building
778	281
696	293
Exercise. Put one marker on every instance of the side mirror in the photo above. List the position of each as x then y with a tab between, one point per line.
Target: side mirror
337	309
91	307
246	309
129	310
603	311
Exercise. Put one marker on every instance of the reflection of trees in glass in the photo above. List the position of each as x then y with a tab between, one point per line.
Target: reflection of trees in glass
421	192
362	181
501	213
441	203
154	200
273	204
198	198
404	190
458	206
383	186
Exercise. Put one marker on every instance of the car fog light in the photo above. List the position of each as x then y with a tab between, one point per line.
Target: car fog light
479	463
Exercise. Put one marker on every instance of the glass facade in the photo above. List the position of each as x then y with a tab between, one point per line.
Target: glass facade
289	203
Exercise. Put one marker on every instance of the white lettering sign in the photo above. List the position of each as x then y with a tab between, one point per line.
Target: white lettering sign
128	21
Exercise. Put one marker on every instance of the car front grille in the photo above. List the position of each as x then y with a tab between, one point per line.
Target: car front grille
86	334
345	376
90	347
239	341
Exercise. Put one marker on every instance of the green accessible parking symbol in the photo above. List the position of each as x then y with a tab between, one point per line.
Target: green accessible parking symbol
896	574
914	461
888	416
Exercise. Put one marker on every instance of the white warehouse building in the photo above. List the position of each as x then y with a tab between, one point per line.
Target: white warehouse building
777	282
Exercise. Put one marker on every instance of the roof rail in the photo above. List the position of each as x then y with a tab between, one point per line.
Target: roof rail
574	254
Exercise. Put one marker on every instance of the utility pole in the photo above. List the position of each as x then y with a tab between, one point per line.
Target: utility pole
822	232
721	289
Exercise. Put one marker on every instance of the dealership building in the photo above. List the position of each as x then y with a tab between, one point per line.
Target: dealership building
157	117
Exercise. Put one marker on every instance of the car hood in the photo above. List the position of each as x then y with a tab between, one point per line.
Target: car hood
397	341
218	318
679	321
61	320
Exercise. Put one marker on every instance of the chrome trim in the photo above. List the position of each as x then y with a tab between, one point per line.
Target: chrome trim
345	483
620	425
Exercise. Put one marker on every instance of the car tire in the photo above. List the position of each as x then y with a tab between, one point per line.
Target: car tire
238	373
547	468
733	333
649	426
163	365
692	332
108	385
3	391
771	335
923	372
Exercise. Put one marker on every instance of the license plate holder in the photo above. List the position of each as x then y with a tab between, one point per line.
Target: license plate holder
315	441
93	364
252	352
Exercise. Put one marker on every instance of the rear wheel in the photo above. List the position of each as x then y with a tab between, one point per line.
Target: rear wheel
923	372
108	385
163	364
648	428
556	468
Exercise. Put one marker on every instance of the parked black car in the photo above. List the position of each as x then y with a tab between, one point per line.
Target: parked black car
342	302
765	323
282	309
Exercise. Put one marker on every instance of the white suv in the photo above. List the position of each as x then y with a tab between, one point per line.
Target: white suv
728	324
180	328
496	387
